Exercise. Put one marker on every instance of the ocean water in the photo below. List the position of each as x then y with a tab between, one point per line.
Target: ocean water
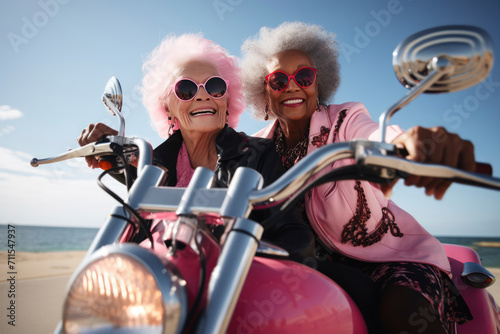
47	239
53	239
490	256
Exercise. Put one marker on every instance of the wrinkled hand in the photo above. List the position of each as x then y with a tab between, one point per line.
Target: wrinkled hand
91	134
438	146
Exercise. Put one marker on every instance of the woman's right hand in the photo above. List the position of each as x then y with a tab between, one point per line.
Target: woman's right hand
91	134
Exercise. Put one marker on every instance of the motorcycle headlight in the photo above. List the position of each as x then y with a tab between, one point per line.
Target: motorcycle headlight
125	289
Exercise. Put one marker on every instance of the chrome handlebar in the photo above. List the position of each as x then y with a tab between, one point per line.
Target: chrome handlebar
377	158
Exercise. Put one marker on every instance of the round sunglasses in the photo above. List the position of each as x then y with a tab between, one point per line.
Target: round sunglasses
303	77
186	89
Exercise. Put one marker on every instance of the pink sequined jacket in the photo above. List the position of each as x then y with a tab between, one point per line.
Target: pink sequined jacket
353	217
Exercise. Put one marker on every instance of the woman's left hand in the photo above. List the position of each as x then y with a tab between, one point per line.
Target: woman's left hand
438	146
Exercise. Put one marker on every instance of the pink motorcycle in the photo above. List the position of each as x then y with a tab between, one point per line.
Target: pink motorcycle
179	278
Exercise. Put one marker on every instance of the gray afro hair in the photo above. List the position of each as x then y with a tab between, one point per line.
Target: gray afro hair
313	40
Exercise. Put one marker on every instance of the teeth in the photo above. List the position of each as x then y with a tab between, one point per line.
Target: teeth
200	112
293	101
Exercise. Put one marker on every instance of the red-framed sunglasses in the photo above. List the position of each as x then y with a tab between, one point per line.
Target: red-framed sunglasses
303	77
186	89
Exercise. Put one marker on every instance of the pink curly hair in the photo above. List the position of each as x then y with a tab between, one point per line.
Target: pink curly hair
165	59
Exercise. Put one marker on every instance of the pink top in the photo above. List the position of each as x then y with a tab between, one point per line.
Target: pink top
184	170
331	206
161	227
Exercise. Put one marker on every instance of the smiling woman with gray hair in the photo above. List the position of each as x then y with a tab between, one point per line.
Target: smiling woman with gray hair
313	40
289	73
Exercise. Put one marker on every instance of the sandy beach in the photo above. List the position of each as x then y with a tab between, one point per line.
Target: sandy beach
40	287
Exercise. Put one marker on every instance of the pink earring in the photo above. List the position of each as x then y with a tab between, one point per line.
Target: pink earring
171	127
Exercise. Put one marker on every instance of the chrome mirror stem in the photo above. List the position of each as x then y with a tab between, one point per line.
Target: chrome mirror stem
121	125
439	67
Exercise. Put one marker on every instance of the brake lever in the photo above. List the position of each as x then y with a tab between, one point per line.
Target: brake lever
84	151
481	167
401	166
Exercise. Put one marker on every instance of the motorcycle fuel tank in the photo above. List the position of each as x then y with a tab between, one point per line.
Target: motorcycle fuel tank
281	296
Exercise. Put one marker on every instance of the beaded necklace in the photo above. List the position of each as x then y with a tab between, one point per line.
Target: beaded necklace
290	156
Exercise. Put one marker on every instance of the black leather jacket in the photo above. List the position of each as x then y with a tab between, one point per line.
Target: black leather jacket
236	149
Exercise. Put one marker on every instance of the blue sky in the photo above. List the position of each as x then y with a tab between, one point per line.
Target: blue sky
57	55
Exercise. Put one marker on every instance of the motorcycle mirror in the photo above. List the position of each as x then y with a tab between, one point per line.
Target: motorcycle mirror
438	60
467	51
113	98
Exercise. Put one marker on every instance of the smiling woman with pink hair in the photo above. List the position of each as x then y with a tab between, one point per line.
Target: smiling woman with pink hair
163	66
193	92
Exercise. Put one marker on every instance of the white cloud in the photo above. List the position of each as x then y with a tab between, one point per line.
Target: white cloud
7	112
6	130
37	200
17	161
55	195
